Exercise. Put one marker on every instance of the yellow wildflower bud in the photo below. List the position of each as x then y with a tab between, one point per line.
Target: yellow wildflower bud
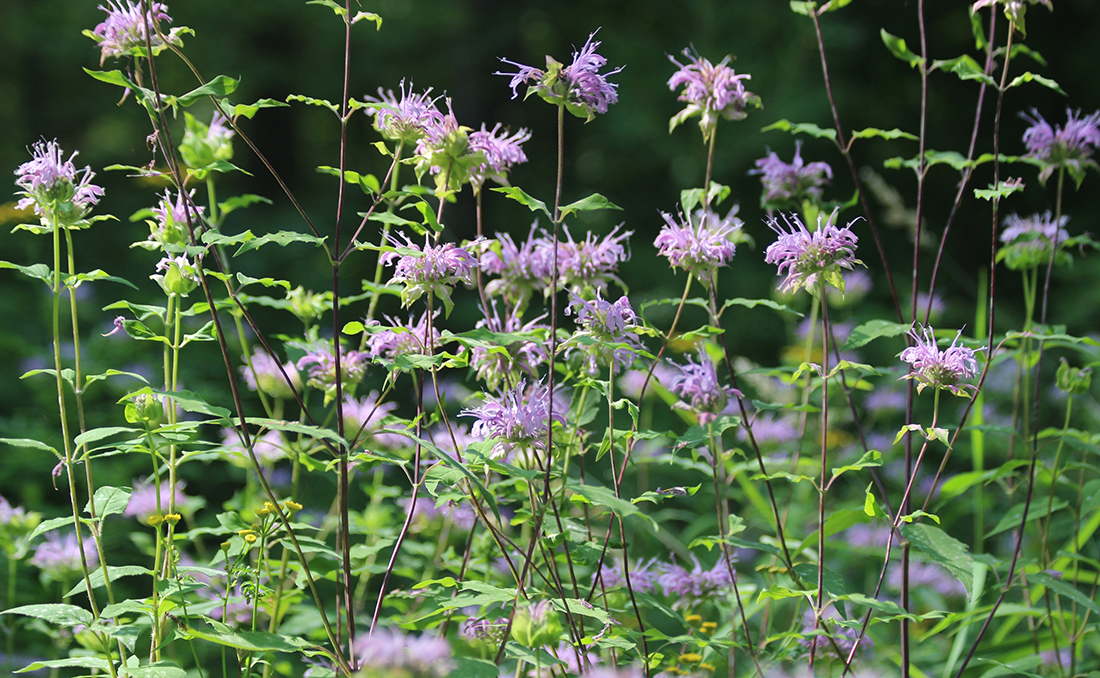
155	520
292	505
693	618
244	532
172	518
706	667
250	538
691	658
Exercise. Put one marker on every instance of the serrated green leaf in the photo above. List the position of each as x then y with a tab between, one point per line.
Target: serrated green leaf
871	330
801	128
803	7
591	203
37	271
470	667
220	86
239	202
93	276
884	133
519	195
944	550
116	572
310	101
109	501
1001	190
753	303
1029	77
965	67
266	282
55	613
250	110
281	238
899	49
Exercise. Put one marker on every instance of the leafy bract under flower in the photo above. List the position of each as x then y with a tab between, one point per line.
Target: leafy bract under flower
580	86
804	255
939	369
1028	240
710	91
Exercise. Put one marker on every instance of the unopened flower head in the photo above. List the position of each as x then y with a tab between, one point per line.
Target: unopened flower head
604	327
54	187
945	369
428	269
501	151
179	276
787	183
123	31
710	91
580	86
697	383
699	243
266	374
391	652
517	420
1028	240
204	145
404	118
803	256
1069	146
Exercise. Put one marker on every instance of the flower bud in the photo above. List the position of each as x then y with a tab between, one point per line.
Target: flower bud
145	408
1071	381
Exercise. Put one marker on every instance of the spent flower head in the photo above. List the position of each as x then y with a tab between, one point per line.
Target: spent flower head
54	187
122	33
710	91
580	86
787	183
945	369
405	118
804	256
1069	146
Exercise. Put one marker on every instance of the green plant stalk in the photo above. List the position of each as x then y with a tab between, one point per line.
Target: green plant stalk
9	602
824	460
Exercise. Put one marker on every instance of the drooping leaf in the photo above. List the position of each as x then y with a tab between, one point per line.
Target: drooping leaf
966	68
109	501
55	613
895	133
1064	589
37	271
115	572
801	128
1045	82
899	49
944	550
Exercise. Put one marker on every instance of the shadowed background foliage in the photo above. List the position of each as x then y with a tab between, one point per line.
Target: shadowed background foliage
282	47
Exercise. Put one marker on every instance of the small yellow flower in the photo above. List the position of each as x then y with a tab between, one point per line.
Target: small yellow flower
693	618
250	538
292	505
691	658
172	518
155	520
708	627
706	667
244	532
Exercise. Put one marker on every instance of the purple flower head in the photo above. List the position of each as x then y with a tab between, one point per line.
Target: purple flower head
632	380
1028	240
488	630
172	217
930	366
496	364
124	29
400	338
927	576
523	269
867	536
365	415
803	255
710	91
698	385
322	369
580	86
500	150
11	514
406	118
59	557
690	587
392	652
602	323
769	429
643	576
149	500
428	269
592	262
55	188
786	183
700	243
266	374
1070	146
518	419
462	516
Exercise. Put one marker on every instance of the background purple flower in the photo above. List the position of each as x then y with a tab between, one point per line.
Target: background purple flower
1070	146
59	556
785	183
401	338
143	502
362	418
406	118
391	651
1028	240
265	375
517	419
